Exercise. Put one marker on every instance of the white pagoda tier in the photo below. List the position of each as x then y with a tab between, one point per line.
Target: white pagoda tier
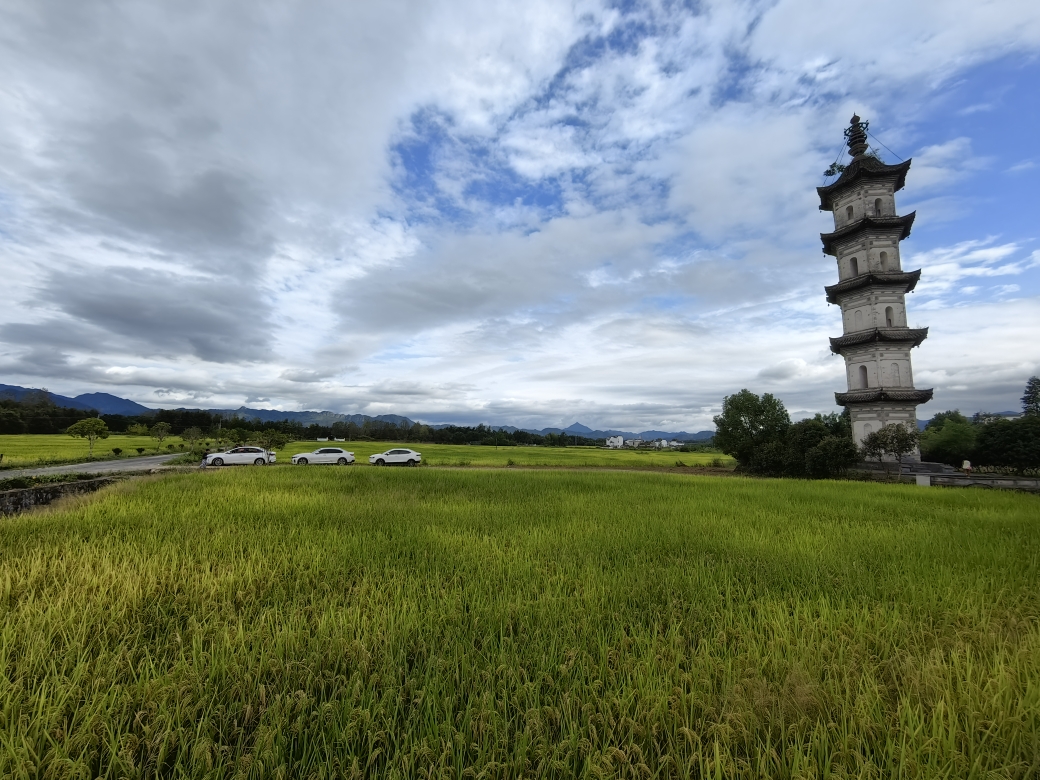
871	289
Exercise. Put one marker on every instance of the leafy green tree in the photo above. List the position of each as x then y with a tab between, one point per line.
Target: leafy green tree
192	435
802	437
951	442
895	441
272	439
832	458
91	429
1031	399
160	432
138	429
939	419
747	424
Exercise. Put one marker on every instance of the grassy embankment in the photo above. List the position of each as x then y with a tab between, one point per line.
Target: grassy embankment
463	455
408	623
28	450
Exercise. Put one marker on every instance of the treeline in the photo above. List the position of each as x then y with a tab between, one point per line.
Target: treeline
988	442
757	431
37	413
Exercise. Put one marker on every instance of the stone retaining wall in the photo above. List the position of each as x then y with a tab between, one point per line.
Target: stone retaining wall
14	501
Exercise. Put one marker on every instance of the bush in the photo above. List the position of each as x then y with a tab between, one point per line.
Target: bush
140	450
117	451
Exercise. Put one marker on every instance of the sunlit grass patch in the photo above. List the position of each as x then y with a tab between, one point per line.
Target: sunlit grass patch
42	449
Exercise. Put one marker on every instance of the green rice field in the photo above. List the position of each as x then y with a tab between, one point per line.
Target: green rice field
28	449
478	623
464	455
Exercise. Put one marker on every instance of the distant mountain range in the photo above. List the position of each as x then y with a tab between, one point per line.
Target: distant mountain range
105	403
101	402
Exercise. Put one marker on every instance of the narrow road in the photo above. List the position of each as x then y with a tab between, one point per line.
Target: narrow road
95	467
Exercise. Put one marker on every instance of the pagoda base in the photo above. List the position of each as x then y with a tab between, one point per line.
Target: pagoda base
870	417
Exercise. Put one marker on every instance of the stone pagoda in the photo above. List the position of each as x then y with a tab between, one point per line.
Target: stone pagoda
871	289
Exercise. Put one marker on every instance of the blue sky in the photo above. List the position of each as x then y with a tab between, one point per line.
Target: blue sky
483	212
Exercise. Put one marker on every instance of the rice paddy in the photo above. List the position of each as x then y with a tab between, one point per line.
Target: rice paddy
573	457
520	623
28	450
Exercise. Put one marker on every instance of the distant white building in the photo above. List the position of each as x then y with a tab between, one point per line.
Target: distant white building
636	443
616	442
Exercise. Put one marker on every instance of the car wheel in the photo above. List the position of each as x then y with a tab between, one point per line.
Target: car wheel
342	461
217	462
301	461
259	462
411	463
380	462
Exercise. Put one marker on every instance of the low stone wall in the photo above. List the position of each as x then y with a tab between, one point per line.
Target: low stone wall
987	481
14	501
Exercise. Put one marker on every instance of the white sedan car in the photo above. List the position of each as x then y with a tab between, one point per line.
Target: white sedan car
405	457
324	455
241	456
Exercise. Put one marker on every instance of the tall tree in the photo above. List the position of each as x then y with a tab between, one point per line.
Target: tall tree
895	441
90	429
192	435
160	431
752	429
1031	400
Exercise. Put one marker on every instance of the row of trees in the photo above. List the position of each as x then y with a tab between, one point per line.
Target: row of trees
986	440
757	431
37	413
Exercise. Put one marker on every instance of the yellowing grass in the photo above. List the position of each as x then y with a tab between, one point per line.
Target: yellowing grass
26	450
493	623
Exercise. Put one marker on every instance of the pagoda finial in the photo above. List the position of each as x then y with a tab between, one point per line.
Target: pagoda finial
856	134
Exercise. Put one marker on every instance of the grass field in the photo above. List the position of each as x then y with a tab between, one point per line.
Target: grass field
26	450
463	455
495	623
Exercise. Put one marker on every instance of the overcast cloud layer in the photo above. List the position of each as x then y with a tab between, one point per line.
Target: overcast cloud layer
511	213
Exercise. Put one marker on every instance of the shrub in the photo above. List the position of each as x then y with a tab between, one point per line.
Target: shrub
140	450
117	451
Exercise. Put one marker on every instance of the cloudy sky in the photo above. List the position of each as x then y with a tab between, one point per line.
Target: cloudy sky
528	213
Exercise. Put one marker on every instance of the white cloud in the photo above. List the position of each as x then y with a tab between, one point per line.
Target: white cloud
465	210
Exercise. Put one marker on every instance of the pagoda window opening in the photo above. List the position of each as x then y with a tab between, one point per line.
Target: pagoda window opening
877	207
859	320
890	317
895	375
848	212
854	265
884	261
867	429
863	379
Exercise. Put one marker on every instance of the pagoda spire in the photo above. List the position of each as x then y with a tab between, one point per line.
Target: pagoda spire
856	135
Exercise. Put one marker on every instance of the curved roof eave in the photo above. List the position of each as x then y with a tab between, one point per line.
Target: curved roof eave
906	280
904	223
863	168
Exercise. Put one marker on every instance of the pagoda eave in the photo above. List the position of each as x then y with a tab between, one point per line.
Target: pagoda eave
864	167
905	282
903	224
912	336
884	394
